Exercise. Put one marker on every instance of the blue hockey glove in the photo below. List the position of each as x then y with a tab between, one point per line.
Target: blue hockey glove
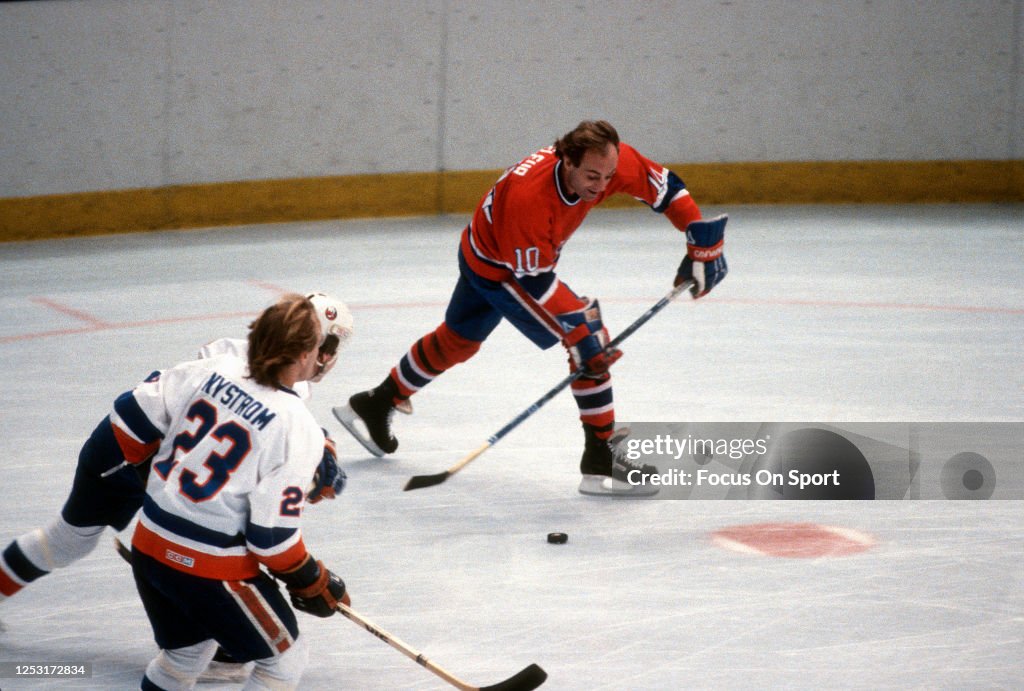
586	339
704	263
328	480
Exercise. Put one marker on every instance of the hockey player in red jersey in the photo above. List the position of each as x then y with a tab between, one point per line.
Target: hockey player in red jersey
508	257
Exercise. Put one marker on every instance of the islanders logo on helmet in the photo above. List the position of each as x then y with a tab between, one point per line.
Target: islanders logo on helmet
335	329
336	324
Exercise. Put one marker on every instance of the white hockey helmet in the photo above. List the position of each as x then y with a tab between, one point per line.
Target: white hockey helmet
335	328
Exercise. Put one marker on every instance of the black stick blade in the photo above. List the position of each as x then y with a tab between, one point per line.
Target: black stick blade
123	551
421	481
529	678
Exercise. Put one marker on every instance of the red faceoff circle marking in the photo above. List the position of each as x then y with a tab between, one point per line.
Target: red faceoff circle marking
793	540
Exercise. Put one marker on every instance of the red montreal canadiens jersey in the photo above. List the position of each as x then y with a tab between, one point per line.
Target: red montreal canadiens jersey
520	226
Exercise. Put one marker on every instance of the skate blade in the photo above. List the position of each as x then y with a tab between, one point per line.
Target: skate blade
602	485
348	419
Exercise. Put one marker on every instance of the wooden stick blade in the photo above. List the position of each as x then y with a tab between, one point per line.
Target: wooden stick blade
528	678
421	481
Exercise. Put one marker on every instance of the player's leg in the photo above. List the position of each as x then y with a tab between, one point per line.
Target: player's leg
469	319
38	552
281	671
539	307
250	619
103	494
604	467
270	639
596	404
186	647
226	669
177	668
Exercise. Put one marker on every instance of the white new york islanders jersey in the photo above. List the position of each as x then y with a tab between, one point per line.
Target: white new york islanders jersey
227	486
240	348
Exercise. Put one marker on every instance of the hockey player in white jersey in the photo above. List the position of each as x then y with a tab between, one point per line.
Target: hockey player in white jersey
108	489
336	326
238	450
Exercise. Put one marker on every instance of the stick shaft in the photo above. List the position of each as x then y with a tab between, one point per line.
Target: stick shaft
458	466
626	333
536	405
401	647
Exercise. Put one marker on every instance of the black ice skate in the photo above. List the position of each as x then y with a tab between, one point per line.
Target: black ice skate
368	415
607	471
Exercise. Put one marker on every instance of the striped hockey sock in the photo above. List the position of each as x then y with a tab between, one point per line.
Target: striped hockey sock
595	402
16	570
428	358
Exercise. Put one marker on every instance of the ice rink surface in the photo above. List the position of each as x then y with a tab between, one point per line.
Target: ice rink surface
829	314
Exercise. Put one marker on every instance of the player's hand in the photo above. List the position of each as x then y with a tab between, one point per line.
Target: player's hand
329	480
704	263
314	589
586	339
598	364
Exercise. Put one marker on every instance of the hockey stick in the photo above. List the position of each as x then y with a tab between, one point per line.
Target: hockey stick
124	552
421	481
528	678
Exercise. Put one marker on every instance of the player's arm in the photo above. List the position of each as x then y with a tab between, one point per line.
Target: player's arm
666	193
704	263
139	419
313	588
273	533
223	346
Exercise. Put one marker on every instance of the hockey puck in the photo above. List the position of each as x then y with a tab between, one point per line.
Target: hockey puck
558	538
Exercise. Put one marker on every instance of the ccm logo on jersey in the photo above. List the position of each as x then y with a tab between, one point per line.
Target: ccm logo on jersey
180	559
